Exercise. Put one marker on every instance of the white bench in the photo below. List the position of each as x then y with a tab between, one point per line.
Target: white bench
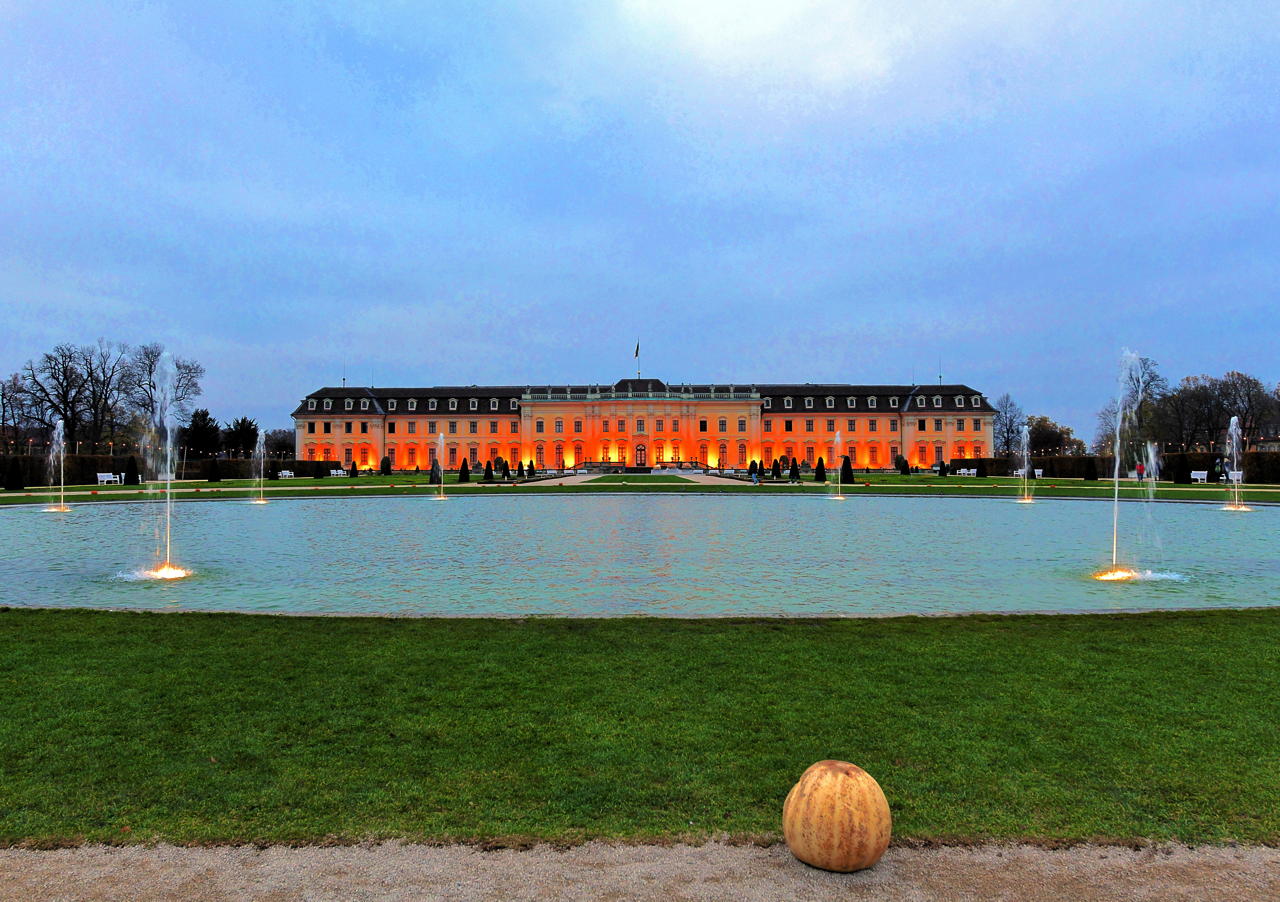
285	474
1235	477
1021	470
337	472
1200	476
110	479
966	472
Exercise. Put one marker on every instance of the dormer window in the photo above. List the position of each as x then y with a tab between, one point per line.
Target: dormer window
977	401
871	402
431	403
413	403
959	400
768	403
328	404
851	403
786	403
493	403
311	405
808	403
937	400
893	402
391	405
453	403
831	403
350	404
920	401
475	405
513	403
364	403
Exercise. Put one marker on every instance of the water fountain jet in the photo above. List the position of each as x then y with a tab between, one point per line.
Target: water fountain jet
1235	458
259	464
1027	471
58	460
164	422
1128	397
439	464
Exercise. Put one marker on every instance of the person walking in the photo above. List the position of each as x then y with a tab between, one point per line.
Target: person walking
1141	470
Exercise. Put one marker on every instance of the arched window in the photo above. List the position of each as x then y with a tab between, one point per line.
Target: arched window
431	404
391	405
808	403
851	402
475	405
976	402
831	403
364	403
453	403
937	400
919	400
493	403
350	404
559	457
871	402
768	403
786	403
311	405
702	453
742	455
577	455
328	404
959	400
538	456
413	403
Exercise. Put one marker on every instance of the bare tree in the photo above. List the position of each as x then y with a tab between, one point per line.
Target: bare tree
142	390
1245	397
1104	437
55	386
105	367
15	414
1007	425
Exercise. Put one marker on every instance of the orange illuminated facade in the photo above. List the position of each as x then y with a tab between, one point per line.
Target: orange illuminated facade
643	423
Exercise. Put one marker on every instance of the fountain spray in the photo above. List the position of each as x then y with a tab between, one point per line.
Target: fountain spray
839	496
1128	397
1027	491
1235	458
260	463
58	460
440	464
164	423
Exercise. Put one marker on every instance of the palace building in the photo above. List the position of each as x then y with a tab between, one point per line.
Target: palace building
644	423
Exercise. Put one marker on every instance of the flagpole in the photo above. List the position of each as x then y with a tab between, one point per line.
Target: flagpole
637	359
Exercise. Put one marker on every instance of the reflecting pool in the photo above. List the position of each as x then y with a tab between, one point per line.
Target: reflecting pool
660	555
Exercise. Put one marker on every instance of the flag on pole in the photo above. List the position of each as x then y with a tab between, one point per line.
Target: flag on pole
637	350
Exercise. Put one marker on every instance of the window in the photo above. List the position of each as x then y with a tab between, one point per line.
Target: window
768	425
346	455
604	424
413	427
326	429
742	424
453	403
960	425
831	403
538	426
391	456
559	457
786	425
658	424
639	424
722	455
937	400
702	425
349	404
851	402
808	425
473	428
364	427
515	426
577	426
364	403
874	425
622	425
675	426
976	401
431	404
559	425
808	403
977	449
391	428
537	453
453	456
413	457
453	427
413	405
346	427
977	427
919	425
311	428
871	402
786	403
722	425
893	425
937	425
873	453
493	403
831	425
431	426
959	400
493	427
311	405
851	425
920	401
742	455
391	405
768	403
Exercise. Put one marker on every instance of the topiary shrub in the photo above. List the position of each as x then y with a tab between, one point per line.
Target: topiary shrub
904	468
384	466
131	475
353	472
529	470
820	471
464	472
488	471
943	469
777	469
520	469
506	471
13	481
846	469
794	473
751	470
213	470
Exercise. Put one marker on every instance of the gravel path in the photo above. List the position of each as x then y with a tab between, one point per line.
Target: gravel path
603	872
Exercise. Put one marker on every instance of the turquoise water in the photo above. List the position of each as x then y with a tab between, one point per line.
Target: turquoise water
661	555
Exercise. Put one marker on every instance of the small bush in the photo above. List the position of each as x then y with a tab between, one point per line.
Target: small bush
904	468
131	476
384	466
820	471
529	470
464	472
777	469
794	473
488	471
846	469
520	469
353	472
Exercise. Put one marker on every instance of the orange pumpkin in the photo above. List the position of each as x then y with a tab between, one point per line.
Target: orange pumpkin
837	817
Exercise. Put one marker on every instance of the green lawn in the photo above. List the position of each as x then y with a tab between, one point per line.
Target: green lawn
199	728
638	479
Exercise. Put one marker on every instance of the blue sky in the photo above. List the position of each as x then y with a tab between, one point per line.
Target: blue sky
512	193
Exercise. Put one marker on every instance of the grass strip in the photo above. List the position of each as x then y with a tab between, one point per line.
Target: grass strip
196	728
